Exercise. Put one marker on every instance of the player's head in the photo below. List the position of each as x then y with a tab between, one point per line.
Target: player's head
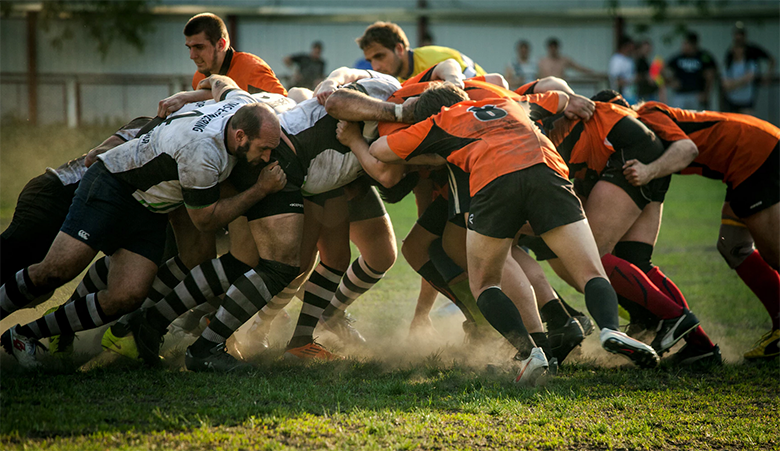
523	48
208	41
690	43
316	48
257	132
740	33
385	46
610	96
436	96
625	45
553	46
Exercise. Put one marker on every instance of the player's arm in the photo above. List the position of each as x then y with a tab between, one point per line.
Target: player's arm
552	84
348	133
448	70
219	85
676	158
210	215
172	104
338	77
496	79
403	148
110	142
354	106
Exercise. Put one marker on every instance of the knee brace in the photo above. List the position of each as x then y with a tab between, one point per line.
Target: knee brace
636	253
443	263
275	275
735	242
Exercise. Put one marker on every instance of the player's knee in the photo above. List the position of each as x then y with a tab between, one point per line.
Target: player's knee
381	260
735	244
275	275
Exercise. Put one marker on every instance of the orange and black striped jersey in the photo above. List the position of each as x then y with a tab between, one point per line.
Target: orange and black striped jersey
539	105
250	72
487	139
731	146
584	143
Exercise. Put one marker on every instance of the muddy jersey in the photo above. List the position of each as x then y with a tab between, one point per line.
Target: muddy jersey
585	143
182	160
731	146
327	163
486	139
73	171
277	102
250	72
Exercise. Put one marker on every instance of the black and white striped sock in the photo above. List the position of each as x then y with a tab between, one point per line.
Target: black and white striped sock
320	288
206	281
82	314
358	279
94	280
19	292
248	294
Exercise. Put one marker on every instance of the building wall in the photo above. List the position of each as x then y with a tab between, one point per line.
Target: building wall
164	66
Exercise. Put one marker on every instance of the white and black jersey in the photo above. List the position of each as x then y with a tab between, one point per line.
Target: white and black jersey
326	162
180	161
73	171
277	102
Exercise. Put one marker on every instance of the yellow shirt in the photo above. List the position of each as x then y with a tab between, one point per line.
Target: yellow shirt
422	58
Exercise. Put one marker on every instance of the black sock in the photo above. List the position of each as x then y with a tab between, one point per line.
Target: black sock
569	309
601	300
554	314
541	341
502	314
429	272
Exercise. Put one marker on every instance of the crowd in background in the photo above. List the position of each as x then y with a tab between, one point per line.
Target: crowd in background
685	80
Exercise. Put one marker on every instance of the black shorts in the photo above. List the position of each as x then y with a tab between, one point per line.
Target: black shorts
759	191
40	211
537	194
459	194
366	203
434	218
540	249
106	216
280	202
321	198
632	140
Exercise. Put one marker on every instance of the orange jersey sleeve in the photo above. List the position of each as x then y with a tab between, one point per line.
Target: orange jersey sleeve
250	72
527	88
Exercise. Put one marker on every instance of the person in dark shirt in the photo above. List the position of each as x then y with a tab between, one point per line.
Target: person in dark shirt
691	75
740	59
649	82
310	67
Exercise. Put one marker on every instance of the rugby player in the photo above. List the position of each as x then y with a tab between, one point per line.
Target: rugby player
511	163
119	205
742	151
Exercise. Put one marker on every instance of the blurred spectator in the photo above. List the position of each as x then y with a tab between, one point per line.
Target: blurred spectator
310	68
752	52
691	75
522	69
738	87
649	82
555	64
622	73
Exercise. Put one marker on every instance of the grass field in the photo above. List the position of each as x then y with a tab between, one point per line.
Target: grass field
401	394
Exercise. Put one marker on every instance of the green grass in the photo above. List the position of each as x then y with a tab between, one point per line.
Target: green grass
397	394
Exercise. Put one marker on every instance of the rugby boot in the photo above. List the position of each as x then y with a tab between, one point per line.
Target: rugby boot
532	368
691	355
218	361
767	347
619	343
564	339
312	350
25	350
670	331
342	325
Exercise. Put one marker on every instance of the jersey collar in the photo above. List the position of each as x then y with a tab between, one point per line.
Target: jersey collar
410	54
226	62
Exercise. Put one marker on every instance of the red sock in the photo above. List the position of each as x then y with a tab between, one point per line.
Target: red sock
698	337
764	282
631	283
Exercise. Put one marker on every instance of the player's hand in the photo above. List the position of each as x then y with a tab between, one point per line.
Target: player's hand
456	79
272	178
324	90
408	115
204	84
170	105
348	132
579	107
637	174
